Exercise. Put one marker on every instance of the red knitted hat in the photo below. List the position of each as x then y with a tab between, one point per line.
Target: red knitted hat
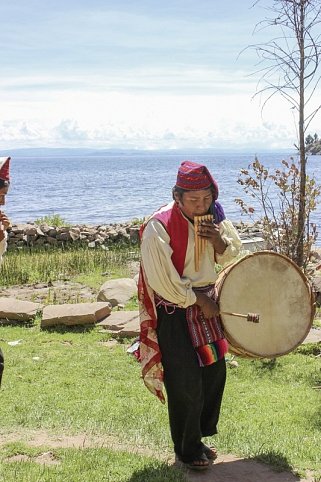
4	168
194	177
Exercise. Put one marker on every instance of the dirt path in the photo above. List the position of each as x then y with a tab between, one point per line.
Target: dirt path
227	468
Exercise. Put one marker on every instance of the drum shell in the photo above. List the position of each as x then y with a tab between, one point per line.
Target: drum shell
272	286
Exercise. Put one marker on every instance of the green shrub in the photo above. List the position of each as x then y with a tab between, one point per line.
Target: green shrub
52	220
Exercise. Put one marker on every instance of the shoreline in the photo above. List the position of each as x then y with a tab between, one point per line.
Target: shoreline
104	235
31	234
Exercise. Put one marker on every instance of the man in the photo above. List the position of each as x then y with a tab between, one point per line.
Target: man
182	342
4	221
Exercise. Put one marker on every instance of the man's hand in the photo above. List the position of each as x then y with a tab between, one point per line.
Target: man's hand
211	232
208	306
4	224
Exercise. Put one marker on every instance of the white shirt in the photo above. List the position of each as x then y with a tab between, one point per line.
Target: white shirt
161	274
3	245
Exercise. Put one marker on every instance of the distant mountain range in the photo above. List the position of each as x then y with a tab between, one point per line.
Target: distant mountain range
83	151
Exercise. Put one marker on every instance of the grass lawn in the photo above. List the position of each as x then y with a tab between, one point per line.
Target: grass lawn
71	465
66	383
78	383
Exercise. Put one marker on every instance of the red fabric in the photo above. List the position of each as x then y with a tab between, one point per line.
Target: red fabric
4	168
212	352
149	353
203	330
192	176
177	228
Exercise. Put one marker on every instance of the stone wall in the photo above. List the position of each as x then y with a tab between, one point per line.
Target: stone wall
31	234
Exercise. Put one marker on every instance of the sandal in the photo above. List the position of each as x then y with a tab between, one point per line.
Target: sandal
201	463
210	452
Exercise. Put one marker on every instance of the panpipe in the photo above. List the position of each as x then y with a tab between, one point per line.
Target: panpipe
200	243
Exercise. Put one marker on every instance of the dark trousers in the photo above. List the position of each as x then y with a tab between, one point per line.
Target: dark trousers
1	365
194	393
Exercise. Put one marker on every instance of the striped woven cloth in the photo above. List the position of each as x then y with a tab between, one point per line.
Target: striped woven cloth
206	334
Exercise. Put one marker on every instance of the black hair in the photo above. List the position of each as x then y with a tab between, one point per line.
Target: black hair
4	183
180	191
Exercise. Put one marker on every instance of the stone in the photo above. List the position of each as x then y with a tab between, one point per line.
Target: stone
45	228
122	233
51	240
18	236
39	231
134	234
122	323
112	234
233	364
18	310
74	233
316	285
52	232
87	231
30	230
13	241
314	336
19	228
63	236
75	314
117	291
31	238
316	255
91	238
40	241
254	243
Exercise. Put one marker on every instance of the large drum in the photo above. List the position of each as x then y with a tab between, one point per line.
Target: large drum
272	286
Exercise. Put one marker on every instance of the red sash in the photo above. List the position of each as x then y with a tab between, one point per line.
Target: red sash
149	353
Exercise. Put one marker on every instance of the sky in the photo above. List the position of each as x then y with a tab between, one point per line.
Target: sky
141	74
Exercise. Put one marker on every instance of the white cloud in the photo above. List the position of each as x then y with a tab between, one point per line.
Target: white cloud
225	133
123	119
69	130
119	73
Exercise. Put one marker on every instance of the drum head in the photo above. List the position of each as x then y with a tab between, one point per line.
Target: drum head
272	286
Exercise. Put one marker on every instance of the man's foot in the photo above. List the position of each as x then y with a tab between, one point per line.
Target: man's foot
210	452
201	463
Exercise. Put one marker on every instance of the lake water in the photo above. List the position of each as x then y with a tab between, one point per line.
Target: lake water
113	188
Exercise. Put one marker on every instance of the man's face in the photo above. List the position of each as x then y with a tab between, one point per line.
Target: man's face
3	192
195	203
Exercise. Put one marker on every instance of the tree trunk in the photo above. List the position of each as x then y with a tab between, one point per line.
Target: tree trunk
301	214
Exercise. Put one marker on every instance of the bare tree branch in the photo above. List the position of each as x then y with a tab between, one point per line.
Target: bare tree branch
289	64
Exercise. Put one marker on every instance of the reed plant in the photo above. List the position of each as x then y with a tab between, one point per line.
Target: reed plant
52	220
35	265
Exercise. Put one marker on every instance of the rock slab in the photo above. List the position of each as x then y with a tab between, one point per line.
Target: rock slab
117	291
75	314
18	310
122	323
